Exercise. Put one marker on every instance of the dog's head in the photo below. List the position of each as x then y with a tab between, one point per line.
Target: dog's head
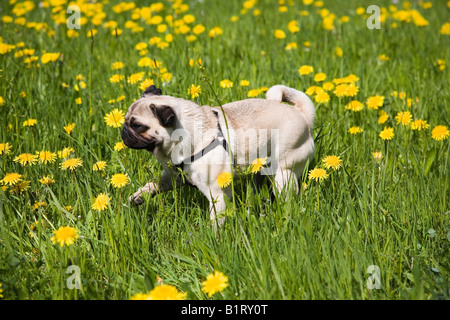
149	121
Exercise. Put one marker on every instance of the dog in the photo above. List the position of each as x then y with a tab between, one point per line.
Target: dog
204	141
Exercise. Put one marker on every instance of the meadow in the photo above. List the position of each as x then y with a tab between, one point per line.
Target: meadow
371	220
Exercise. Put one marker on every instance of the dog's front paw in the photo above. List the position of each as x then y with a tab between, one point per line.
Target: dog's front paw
136	198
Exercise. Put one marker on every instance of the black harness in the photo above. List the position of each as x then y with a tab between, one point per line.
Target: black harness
219	140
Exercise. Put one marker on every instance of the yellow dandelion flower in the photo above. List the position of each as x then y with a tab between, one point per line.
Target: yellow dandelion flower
135	77
354	106
2	101
313	90
115	118
257	164
355	130
49	57
119	146
377	155
291	46
5	148
71	164
116	78
117	65
351	78
332	162
47	180
387	134
214	32
281	9
375	102
322	97
194	91
198	29
166	292
29	123
214	283
116	32
244	83
140	296
26	159
99	166
351	90
441	64
440	133
39	204
226	83
119	180
293	26
318	77
445	29
327	86
69	128
403	117
144	85
360	11
162	45
65	236
383	117
318	174
20	187
383	57
78	100
224	179
419	124
65	152
141	46
100	202
254	93
11	178
340	90
338	51
166	77
46	157
305	70
279	34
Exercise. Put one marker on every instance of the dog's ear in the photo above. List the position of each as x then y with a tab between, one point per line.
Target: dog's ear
165	115
151	91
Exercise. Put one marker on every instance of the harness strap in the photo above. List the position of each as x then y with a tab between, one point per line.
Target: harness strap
219	140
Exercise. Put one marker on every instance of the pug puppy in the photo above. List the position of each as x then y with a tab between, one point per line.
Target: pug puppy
205	141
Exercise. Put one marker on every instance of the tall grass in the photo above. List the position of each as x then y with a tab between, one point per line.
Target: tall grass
317	245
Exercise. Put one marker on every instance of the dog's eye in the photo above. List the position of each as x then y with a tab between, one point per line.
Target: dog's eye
138	127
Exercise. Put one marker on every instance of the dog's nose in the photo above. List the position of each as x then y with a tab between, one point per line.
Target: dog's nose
124	131
125	135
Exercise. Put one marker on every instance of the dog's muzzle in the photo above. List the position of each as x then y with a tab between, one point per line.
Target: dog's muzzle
134	140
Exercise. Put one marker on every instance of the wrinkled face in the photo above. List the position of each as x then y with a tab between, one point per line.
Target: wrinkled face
148	122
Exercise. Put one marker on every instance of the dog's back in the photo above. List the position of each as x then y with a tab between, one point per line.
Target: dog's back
255	123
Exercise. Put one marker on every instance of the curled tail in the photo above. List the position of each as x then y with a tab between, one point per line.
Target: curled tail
282	93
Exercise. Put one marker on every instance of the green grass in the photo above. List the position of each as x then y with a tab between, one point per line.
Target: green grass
317	245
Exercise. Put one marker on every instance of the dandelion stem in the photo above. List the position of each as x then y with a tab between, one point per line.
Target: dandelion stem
206	79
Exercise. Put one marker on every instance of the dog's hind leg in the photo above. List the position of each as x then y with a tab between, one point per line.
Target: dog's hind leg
285	179
217	206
